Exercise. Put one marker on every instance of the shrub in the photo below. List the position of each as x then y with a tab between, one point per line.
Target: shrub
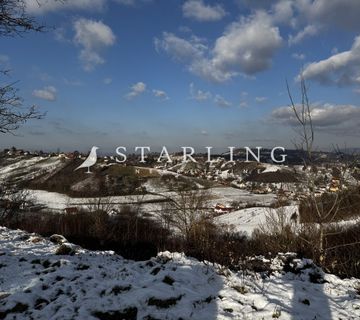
347	206
137	236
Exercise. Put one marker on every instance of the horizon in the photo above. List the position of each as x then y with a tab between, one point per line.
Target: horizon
201	151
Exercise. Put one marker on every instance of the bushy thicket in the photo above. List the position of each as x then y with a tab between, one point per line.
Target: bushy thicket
128	233
346	203
137	236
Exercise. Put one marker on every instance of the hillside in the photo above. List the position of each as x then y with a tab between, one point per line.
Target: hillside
38	284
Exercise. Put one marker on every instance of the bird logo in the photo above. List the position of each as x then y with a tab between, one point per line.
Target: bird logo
90	160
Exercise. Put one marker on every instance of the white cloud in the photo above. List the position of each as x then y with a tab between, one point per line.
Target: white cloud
243	104
131	3
47	93
206	69
139	88
222	102
308	31
93	36
341	69
44	6
198	10
282	11
247	47
160	94
344	119
328	13
136	90
298	56
204	133
199	95
193	53
107	81
260	99
340	13
181	49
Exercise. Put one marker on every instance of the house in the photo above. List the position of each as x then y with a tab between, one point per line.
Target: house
334	185
72	155
220	208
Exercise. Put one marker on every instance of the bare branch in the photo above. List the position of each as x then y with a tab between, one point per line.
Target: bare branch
12	114
14	20
304	118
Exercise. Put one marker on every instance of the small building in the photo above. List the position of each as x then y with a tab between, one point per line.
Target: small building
334	185
220	208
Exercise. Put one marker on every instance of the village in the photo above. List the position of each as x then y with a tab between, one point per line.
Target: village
286	183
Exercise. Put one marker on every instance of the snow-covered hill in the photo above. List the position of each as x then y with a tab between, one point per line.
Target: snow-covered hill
24	168
247	220
35	283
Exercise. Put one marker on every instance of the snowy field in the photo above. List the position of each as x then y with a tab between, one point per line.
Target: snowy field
246	220
59	201
35	283
224	195
29	168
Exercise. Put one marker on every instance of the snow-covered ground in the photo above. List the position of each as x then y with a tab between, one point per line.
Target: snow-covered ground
54	200
35	283
29	168
226	195
246	220
271	168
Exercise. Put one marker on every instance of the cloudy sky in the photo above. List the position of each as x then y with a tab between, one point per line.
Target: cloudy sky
194	72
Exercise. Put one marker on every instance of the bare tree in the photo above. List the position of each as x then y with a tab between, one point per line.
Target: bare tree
14	21
281	230
100	204
306	134
303	116
12	113
12	200
186	210
325	208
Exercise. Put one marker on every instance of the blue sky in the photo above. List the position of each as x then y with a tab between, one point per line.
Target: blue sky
177	73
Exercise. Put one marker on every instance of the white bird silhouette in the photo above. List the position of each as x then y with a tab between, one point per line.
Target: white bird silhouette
90	160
